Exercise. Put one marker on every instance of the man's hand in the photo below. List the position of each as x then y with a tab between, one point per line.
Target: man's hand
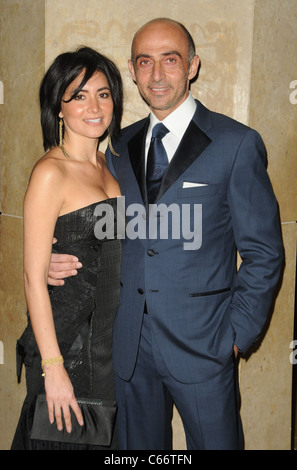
235	350
62	266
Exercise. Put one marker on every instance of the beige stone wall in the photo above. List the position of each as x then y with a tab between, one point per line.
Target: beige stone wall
248	61
21	69
266	378
222	30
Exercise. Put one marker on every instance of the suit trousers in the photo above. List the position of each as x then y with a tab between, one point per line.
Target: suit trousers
209	410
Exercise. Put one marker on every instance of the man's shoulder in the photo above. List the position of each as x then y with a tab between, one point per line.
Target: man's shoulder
127	133
132	129
217	119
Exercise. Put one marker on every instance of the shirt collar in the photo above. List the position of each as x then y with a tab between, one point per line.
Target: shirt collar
177	121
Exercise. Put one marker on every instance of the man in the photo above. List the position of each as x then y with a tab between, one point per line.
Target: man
185	311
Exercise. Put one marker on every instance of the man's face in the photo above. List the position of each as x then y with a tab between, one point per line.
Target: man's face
160	67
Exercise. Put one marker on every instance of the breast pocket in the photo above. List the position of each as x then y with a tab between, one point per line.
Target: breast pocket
198	191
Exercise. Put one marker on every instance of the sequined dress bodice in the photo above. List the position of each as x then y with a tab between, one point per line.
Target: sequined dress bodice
91	297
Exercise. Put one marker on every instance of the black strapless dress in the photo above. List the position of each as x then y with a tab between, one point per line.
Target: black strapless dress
84	310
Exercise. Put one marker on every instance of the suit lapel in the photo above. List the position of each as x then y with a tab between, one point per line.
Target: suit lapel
136	147
193	143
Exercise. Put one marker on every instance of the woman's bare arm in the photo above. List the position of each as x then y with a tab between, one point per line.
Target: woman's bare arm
42	204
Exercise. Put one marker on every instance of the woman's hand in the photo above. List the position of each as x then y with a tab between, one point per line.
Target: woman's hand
60	397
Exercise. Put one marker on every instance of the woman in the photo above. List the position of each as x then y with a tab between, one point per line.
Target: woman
70	327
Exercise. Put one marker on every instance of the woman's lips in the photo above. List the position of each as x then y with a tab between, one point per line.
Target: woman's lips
93	121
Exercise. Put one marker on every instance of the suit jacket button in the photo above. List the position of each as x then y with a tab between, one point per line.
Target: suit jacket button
140	291
151	252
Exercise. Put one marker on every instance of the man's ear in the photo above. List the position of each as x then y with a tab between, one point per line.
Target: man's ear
131	68
194	66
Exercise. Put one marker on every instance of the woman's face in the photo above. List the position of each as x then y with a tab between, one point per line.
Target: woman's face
89	114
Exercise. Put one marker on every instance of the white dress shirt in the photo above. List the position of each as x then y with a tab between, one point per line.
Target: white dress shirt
176	122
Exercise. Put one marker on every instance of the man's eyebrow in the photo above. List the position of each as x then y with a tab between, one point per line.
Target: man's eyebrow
165	54
147	56
172	53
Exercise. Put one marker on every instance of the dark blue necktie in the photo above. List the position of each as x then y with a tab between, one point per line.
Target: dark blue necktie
157	162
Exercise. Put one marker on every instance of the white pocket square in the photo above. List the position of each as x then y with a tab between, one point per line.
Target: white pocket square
190	184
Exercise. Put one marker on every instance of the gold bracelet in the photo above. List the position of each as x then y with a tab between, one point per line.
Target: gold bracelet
51	361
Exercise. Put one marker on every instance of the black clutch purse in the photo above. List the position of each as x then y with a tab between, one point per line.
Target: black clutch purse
99	421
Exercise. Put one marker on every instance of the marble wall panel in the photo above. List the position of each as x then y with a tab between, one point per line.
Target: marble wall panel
266	375
12	322
272	113
21	69
222	32
266	378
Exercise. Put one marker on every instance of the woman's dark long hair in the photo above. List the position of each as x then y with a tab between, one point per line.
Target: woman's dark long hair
65	68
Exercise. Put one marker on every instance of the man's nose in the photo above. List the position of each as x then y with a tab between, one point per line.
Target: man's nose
157	72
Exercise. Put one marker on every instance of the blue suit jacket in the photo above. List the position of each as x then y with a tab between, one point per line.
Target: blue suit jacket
199	304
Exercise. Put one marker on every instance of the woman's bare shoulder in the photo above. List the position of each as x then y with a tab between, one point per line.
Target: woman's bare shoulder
47	183
50	166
